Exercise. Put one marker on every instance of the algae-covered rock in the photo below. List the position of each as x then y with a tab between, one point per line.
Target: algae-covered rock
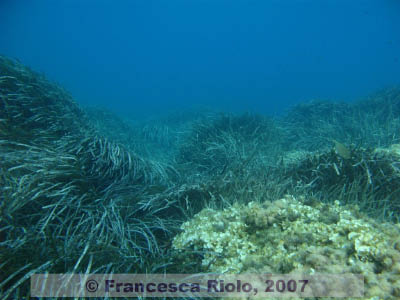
288	236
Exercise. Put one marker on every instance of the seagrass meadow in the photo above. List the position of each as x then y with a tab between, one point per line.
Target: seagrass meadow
86	191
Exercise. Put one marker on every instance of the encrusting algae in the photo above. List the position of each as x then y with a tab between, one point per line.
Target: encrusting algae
297	236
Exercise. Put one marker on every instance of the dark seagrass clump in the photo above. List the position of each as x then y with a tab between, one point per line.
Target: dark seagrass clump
369	178
71	200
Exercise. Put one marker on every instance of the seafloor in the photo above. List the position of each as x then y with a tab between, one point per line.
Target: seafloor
86	191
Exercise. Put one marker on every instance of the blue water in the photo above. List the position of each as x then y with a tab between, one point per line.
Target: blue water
144	57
